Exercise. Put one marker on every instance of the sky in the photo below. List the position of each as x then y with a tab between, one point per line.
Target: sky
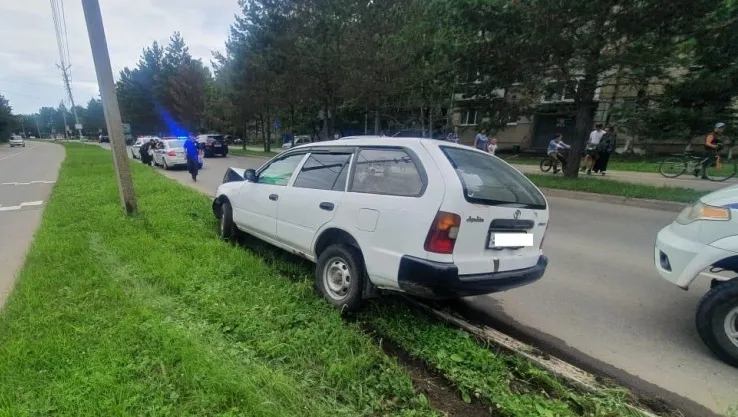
29	78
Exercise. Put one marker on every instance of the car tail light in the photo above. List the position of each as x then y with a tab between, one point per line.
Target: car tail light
443	233
545	232
172	153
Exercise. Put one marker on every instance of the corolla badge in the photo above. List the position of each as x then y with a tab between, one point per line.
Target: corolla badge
517	214
477	219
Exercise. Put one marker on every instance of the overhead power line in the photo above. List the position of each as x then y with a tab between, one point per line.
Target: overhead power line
62	44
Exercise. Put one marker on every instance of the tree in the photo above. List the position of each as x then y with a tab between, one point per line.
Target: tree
575	43
94	120
7	122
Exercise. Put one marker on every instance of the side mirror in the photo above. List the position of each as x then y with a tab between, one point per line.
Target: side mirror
250	175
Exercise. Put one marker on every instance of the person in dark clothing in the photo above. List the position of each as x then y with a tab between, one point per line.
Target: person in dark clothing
604	149
192	153
713	145
144	151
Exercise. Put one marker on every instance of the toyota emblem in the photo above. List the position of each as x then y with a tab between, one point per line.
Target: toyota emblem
517	214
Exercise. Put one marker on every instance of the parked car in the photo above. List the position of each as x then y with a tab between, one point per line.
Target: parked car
299	140
16	140
170	153
213	144
429	218
104	139
703	241
136	147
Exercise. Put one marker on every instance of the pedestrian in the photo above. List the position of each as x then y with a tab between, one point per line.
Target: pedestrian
192	154
712	147
453	136
492	148
556	144
145	152
605	148
481	141
591	149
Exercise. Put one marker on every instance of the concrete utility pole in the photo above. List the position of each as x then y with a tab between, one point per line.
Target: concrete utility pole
101	57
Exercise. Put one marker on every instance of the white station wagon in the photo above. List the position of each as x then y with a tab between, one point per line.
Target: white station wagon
429	218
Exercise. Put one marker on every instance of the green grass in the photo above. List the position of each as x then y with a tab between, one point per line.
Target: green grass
153	315
613	165
235	150
617	188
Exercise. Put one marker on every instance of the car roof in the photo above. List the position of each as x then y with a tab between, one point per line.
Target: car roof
380	141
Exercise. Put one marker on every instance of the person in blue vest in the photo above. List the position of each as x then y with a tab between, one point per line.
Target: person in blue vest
192	153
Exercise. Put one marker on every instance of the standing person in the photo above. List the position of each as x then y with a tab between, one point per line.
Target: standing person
481	142
554	146
605	149
712	146
145	152
591	150
492	148
192	153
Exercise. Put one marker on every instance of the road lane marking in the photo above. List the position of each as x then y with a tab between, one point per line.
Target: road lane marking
22	205
17	153
28	183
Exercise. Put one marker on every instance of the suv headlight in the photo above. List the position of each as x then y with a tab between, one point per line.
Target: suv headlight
702	211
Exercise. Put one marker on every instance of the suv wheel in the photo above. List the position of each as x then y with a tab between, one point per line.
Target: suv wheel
228	230
717	321
339	276
165	165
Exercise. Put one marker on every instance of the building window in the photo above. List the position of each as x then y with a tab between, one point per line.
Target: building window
559	91
469	117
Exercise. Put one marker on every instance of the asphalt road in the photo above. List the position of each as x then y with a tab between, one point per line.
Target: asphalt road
600	305
27	176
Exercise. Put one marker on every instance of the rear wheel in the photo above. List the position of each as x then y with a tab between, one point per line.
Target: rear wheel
717	321
546	164
339	276
673	167
722	168
165	164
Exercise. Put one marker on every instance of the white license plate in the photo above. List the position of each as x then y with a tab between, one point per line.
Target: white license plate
217	145
510	240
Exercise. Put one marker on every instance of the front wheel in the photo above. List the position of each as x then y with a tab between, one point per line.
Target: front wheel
546	164
717	321
339	276
723	168
673	167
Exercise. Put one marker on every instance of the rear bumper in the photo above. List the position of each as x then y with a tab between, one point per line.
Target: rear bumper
435	280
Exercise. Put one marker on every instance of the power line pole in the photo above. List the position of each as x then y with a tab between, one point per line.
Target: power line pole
101	58
68	87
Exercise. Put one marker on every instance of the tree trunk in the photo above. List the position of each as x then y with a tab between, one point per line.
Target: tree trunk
292	123
377	123
422	121
584	117
268	129
244	136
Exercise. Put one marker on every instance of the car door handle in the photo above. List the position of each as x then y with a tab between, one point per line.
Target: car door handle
273	197
326	206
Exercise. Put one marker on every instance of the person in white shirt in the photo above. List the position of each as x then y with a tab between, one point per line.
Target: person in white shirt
591	150
492	148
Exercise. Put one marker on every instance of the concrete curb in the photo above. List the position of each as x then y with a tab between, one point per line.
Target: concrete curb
671	206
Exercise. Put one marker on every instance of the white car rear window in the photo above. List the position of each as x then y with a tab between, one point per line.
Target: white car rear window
488	180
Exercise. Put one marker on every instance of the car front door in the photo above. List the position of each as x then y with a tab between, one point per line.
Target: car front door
313	199
255	205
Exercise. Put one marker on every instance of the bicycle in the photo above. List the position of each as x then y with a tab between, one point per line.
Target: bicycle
721	169
550	161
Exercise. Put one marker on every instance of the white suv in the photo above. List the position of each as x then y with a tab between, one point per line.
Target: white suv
429	218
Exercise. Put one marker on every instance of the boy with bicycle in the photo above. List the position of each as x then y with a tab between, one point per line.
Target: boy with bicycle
553	152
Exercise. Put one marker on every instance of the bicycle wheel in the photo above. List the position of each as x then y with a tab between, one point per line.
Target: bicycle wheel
673	167
546	164
723	168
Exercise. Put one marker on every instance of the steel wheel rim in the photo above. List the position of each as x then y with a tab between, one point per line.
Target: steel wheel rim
337	278
731	326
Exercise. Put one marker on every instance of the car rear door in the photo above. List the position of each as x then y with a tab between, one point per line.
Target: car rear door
503	215
314	198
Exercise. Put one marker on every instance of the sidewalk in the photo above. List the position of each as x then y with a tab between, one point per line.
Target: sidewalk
646	178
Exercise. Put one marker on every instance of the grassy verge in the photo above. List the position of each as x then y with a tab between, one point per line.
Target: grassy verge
617	188
153	315
251	152
613	165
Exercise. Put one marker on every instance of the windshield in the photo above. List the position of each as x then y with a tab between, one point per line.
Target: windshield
176	143
488	180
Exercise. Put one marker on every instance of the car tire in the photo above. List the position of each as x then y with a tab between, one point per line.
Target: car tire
228	230
338	267
716	312
164	164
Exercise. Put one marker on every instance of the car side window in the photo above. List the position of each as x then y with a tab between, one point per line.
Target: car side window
387	172
280	171
323	171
